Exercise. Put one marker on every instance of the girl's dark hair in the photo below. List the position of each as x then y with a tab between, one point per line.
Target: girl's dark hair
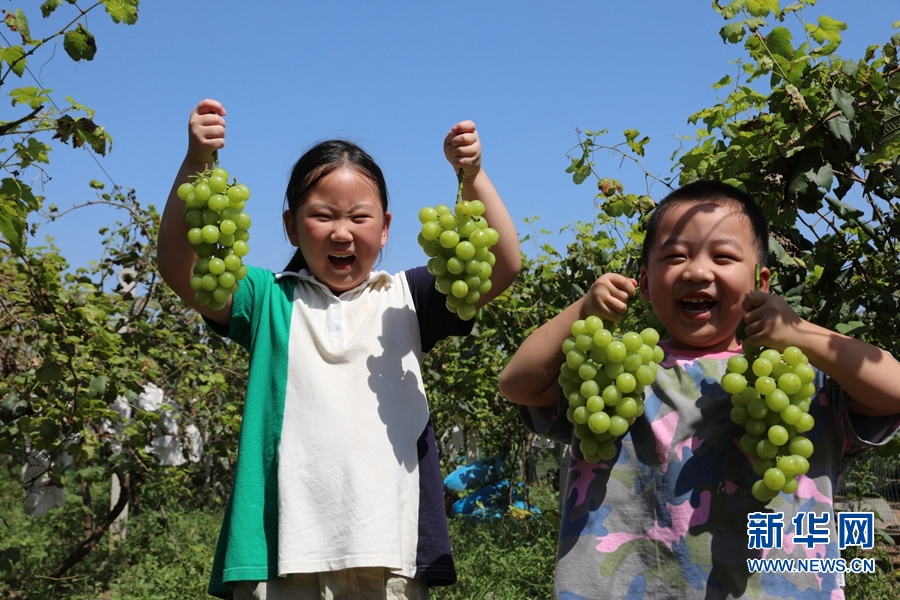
317	162
716	192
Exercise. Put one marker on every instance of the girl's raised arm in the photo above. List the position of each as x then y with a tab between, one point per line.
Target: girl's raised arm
175	256
462	147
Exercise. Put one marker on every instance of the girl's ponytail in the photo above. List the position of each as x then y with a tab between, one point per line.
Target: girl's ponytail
298	261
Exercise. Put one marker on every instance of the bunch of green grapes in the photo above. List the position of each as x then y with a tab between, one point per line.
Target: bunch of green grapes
458	244
603	378
771	393
214	209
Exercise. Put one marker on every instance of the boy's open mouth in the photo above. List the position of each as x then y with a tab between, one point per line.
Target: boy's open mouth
697	306
341	260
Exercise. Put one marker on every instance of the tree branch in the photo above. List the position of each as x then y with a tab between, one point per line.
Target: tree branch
87	545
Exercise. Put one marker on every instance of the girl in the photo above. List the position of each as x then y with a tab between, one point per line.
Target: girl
338	486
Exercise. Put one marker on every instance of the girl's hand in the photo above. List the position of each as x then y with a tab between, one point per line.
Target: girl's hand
771	321
206	131
608	297
463	148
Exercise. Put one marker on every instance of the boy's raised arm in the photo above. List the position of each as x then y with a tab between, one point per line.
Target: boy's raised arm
530	377
868	374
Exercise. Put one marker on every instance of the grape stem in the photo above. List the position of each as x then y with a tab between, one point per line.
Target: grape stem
752	352
459	188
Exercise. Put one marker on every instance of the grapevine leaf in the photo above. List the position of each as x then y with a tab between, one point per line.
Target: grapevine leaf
778	250
822	177
889	129
730	10
122	11
849	328
722	82
827	31
797	6
754	24
636	146
49	6
779	42
48	372
19	195
850	69
845	102
79	44
840	128
98	386
762	8
843	210
33	151
14	56
18	22
11	228
733	32
30	95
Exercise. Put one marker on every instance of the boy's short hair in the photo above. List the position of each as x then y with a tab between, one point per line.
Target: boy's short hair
716	192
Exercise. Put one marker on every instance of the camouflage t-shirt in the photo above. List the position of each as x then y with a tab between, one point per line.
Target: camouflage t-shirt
668	516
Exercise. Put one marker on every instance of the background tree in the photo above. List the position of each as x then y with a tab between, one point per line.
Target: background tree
75	343
814	137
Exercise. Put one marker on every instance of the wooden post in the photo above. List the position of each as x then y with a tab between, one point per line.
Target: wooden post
117	529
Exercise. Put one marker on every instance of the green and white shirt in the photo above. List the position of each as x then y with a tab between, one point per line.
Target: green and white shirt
337	464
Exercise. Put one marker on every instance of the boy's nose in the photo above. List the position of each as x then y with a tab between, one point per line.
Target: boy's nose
697	270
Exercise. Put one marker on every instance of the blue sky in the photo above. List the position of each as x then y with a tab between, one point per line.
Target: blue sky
394	77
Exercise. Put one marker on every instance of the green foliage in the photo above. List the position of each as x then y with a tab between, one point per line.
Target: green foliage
165	554
75	342
504	559
819	150
21	145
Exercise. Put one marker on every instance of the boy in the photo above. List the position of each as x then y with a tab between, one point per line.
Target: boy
670	515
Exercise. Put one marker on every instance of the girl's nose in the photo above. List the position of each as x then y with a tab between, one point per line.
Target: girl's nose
340	233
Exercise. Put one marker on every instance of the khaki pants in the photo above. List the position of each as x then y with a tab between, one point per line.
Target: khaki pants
371	583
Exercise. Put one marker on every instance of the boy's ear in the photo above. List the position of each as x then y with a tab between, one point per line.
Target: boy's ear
764	275
645	285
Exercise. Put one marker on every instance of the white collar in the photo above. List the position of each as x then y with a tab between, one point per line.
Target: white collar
305	275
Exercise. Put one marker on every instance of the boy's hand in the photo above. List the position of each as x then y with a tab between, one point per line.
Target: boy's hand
608	297
463	148
206	131
771	322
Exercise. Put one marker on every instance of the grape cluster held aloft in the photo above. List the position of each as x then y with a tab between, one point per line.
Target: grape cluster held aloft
603	379
214	209
458	244
770	393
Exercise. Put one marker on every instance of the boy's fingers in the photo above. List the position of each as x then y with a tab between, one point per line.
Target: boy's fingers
754	299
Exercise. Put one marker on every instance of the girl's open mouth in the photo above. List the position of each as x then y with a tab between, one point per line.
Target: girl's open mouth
341	261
